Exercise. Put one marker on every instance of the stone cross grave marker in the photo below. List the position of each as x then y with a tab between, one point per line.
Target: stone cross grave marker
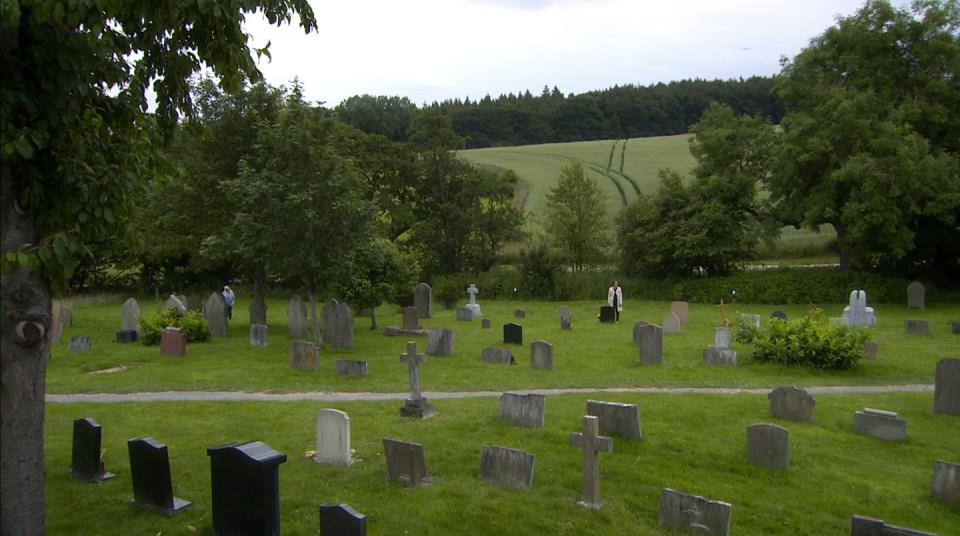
86	459
671	324
216	313
617	419
566	317
682	310
245	488
916	296
150	473
296	318
406	462
423	300
473	306
416	405
651	344
682	511
259	335
506	467
768	444
791	403
341	520
523	409
592	444
513	334
541	355
333	437
130	316
946	387
880	424
946	483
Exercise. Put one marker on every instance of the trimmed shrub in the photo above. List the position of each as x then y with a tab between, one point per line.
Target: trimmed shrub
806	342
194	325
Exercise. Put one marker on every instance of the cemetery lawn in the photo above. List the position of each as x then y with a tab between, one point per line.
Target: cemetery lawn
693	443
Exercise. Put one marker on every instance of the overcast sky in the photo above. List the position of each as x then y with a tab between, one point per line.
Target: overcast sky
433	50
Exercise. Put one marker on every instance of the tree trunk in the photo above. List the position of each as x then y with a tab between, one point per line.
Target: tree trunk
25	325
842	246
373	318
258	305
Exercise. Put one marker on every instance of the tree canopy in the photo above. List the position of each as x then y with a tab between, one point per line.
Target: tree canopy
576	222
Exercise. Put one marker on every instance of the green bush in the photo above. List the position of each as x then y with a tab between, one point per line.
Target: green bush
449	289
194	325
807	342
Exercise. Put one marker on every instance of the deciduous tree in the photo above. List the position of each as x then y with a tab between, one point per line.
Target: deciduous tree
576	222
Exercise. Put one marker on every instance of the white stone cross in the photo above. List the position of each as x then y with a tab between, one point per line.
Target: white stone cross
472	290
413	360
592	445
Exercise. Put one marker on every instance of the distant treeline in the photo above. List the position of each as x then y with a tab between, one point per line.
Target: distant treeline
522	119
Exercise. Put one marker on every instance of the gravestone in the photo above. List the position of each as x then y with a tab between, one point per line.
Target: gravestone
130	316
671	324
520	313
541	355
497	355
592	444
245	488
946	387
617	419
351	367
870	349
507	468
520	409
880	424
791	403
216	313
150	472
79	343
304	356
916	296
297	318
720	352
916	326
955	328
66	316
440	342
607	314
258	312
126	336
333	438
178	303
566	317
86	461
868	526
56	328
474	308
464	314
513	334
173	342
328	320
753	320
682	511
636	331
193	302
411	318
341	520
342	327
768	444
406	462
423	300
946	483
682	310
485	323
780	315
651	345
415	405
857	313
259	335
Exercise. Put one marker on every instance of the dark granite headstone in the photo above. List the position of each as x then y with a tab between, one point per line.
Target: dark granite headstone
406	462
485	323
150	472
607	314
946	387
126	335
779	314
520	313
86	462
513	334
245	488
341	520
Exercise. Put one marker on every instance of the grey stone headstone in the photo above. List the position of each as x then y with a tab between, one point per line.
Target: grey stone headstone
343	328
406	462
423	300
791	403
617	419
523	409
67	316
779	314
216	313
946	387
768	444
753	320
351	367
719	356
497	355
178	303
259	335
682	511
591	443
506	467
513	334
333	437
946	483
304	356
130	316
671	324
868	526
341	520
485	323
682	310
56	329
411	318
79	343
150	473
541	355
297	318
520	313
86	461
916	326
870	349
636	331
328	319
882	425
721	338
566	317
464	314
651	344
440	342
916	296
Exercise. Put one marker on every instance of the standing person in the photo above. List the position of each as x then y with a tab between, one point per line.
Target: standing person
615	299
229	298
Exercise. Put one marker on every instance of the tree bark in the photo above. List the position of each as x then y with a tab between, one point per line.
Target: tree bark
258	305
842	246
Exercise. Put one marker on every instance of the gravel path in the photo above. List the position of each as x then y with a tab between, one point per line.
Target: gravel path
192	396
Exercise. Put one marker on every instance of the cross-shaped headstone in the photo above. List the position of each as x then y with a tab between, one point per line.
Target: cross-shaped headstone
723	314
472	290
592	445
413	360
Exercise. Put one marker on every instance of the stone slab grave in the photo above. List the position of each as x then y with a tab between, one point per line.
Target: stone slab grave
791	403
523	409
259	335
682	310
423	300
870	350
440	342
591	443
473	306
245	488
497	355
464	315
693	513
946	387
918	327
753	320
565	315
333	438
79	343
215	312
130	313
351	367
617	419
671	324
650	340
636	331
297	318
880	424
304	356
720	353
916	296
768	444
485	323
868	526
150	473
173	342
415	405
341	520
946	483
541	355
507	468
513	334
86	462
857	313
607	314
406	462
520	313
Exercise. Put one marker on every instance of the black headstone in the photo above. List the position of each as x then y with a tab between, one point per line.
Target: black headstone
150	472
513	334
341	520
127	335
245	482
779	314
86	462
607	314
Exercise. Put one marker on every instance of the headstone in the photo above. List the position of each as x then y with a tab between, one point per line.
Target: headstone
566	317
946	483
342	328
868	526
651	345
405	462
86	461
721	337
955	328
513	334
341	520
485	323
523	409
333	437
693	513
297	318
880	424
130	316
216	313
176	302
245	488
720	352
464	314
506	468
79	343
416	405
351	367
636	331
328	320
870	349
423	300
497	355
541	355
768	444
56	328
682	310
592	444
67	316
791	403
617	419
857	313
173	342
607	314
671	324
150	472
304	356
259	335
126	336
520	313
946	387
440	342
916	326
753	320
779	315
411	318
474	308
916	296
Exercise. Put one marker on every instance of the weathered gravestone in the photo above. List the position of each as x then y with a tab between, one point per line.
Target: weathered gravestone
328	320
682	310
485	323
245	488
916	296
150	472
56	328
411	318
423	300
720	352
868	526
343	328
592	444
870	350
636	331
351	367
440	342
880	424
178	303
473	306
857	313
259	335
296	318
671	324
333	438
406	462
216	313
541	355
173	342
566	317
607	314
86	460
464	315
946	387
497	355
753	320
520	313
513	334
130	316
341	520
79	343
506	467
916	326
791	403
415	405
523	409
682	511
304	356
768	444
651	344
617	419
946	483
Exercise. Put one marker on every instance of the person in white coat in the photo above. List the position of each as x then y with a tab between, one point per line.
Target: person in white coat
615	299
